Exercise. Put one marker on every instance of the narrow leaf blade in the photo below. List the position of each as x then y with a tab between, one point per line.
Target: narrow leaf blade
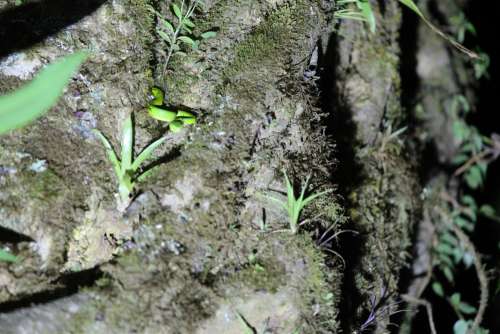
26	104
146	153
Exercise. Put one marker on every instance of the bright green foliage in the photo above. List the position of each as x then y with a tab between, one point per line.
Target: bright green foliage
127	169
181	32
176	119
31	101
294	205
7	257
410	4
363	12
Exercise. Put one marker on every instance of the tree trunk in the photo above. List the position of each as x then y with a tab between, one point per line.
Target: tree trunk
202	249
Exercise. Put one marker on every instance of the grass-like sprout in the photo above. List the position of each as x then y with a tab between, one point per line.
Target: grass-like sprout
127	169
293	206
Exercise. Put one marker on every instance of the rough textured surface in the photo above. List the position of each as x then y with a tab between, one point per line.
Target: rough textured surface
201	243
190	248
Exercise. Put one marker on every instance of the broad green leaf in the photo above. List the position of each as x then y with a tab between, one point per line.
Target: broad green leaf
177	11
438	289
168	25
187	40
7	257
164	36
208	34
489	212
455	299
110	152
188	23
162	114
474	177
460	327
146	153
31	101
127	144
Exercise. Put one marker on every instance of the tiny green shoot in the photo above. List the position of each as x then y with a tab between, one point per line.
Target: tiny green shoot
293	206
127	170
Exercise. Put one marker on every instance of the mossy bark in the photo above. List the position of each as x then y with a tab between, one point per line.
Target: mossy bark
201	243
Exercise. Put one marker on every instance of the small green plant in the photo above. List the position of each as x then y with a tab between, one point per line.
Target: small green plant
293	205
363	12
128	170
176	119
180	33
19	108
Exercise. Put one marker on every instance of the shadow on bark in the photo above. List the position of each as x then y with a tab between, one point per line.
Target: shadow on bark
26	25
341	127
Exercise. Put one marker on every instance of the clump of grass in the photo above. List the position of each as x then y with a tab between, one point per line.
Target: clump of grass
127	169
293	205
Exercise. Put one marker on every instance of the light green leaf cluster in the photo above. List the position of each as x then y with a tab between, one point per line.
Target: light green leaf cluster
294	205
127	169
180	33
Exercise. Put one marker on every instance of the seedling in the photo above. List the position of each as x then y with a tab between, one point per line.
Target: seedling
293	205
127	170
181	32
176	119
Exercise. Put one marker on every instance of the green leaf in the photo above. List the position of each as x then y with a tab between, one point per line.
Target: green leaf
164	36
455	299
177	11
7	257
410	4
168	25
474	177
187	40
438	289
127	144
31	101
366	9
208	34
489	212
146	153
110	152
448	274
466	308
162	114
460	327
188	23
